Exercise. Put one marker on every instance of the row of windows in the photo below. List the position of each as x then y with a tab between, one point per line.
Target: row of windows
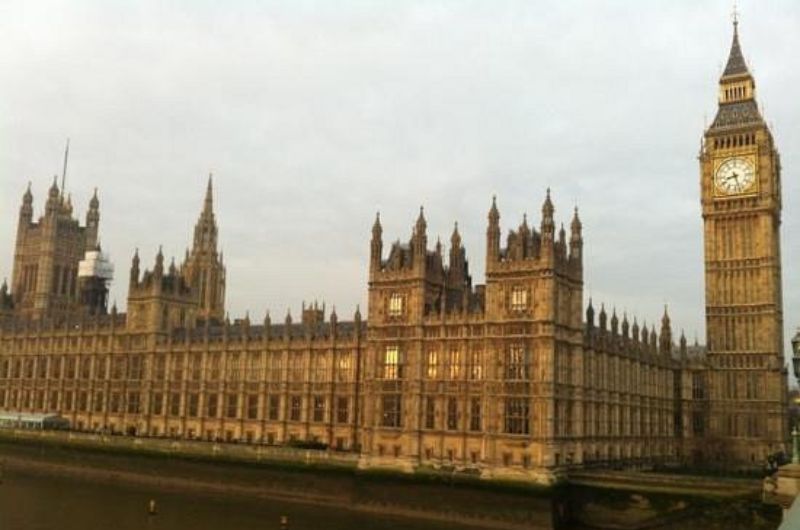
71	367
36	344
178	367
737	385
603	420
231	406
451	414
518	302
516	418
621	374
516	366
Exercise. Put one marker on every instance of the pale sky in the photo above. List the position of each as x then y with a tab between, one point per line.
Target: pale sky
314	115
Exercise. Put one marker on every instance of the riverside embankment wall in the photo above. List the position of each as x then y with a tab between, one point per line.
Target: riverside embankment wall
309	476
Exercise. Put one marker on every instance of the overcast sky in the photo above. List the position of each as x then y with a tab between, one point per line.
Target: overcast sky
313	115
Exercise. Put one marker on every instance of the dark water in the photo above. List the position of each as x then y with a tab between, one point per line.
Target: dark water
29	502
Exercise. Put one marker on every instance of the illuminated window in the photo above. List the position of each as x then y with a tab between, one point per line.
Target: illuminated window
519	299
392	368
395	305
433	365
343	367
475	367
454	364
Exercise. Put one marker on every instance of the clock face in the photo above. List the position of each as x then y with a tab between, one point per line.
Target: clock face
735	176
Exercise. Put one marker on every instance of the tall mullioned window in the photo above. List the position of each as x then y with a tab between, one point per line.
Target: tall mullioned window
319	409
296	367
344	369
517	361
519	298
296	407
475	414
432	368
475	366
342	409
516	416
392	404
193	405
252	406
430	412
396	305
274	407
452	414
319	367
212	405
392	368
232	406
454	364
197	368
160	368
274	370
698	386
253	366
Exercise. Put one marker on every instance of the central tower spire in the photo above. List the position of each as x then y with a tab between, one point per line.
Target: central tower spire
203	269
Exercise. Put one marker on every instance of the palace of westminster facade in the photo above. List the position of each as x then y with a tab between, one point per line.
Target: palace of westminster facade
513	378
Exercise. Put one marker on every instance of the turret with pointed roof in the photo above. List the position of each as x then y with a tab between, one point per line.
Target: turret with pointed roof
737	91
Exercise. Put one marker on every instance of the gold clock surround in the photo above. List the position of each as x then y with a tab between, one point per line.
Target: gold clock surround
749	158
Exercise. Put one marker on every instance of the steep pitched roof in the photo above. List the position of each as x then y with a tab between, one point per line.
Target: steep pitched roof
736	64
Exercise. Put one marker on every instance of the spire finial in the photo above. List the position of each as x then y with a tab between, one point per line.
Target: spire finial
735	16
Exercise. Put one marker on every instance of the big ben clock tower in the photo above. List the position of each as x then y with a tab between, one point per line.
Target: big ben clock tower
741	201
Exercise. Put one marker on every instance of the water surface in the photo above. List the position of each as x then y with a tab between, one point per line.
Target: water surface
32	502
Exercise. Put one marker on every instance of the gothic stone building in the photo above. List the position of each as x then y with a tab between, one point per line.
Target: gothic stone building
512	379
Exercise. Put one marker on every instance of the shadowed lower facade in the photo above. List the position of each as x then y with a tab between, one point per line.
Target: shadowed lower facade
514	378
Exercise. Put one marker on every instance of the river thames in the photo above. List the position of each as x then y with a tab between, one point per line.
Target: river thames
42	502
32	502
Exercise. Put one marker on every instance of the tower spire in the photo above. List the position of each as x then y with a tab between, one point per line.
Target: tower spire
735	64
